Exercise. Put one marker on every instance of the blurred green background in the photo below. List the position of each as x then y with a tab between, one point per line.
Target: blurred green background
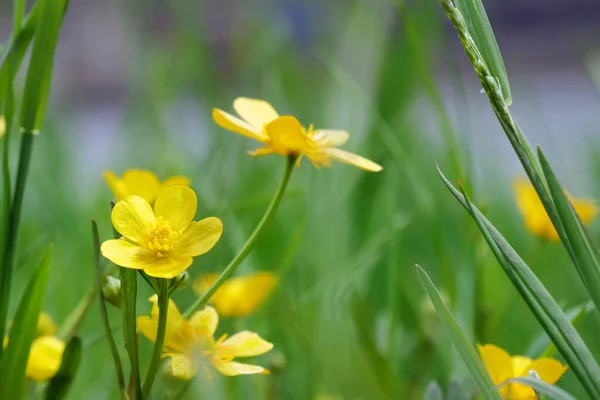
134	86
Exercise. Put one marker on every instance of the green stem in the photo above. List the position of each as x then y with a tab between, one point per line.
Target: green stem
6	269
245	250
163	306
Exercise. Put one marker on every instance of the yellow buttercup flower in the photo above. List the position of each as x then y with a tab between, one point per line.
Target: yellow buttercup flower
140	182
45	325
192	348
163	240
2	126
534	213
501	367
286	136
45	357
238	296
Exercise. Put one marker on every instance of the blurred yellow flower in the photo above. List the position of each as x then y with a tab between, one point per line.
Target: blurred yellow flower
45	325
45	357
2	126
140	182
501	367
191	346
238	296
285	135
535	216
162	241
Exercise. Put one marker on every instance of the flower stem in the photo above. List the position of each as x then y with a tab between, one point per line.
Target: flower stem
163	306
245	250
6	265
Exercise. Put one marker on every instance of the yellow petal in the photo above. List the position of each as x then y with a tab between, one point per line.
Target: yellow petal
330	137
586	209
497	362
234	124
178	334
126	254
243	344
182	366
200	237
177	181
162	267
231	368
256	112
205	322
548	369
204	282
2	126
133	216
116	185
45	325
286	136
520	364
44	358
352	159
177	205
142	183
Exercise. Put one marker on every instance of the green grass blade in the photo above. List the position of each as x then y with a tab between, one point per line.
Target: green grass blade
539	300
59	385
483	35
22	333
464	347
541	387
586	255
39	74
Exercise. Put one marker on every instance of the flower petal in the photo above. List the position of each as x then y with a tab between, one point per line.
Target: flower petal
125	254
205	322
143	183
177	181
352	159
177	205
549	369
586	209
133	216
497	362
330	137
163	267
243	344
178	333
182	366
45	325
256	112
234	124
286	136
117	186
44	358
231	368
200	237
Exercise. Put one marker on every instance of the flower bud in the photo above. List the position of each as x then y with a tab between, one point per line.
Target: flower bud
111	291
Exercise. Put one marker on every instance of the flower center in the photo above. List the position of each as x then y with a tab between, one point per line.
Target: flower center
162	238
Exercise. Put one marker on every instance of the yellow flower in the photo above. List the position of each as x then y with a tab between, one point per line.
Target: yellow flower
285	135
45	357
501	366
2	126
45	325
535	216
191	346
162	241
140	182
238	296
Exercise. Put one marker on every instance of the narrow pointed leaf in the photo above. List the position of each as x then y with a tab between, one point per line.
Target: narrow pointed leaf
59	385
22	333
464	347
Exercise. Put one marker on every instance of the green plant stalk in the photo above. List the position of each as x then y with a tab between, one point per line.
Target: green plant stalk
245	250
104	315
163	307
75	318
6	269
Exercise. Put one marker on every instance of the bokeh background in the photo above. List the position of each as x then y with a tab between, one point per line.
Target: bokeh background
134	85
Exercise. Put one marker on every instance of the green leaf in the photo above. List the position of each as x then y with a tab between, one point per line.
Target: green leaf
59	385
22	333
585	253
481	31
553	392
464	347
39	74
539	300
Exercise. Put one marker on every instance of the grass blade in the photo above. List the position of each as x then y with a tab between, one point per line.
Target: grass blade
22	333
464	347
59	385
